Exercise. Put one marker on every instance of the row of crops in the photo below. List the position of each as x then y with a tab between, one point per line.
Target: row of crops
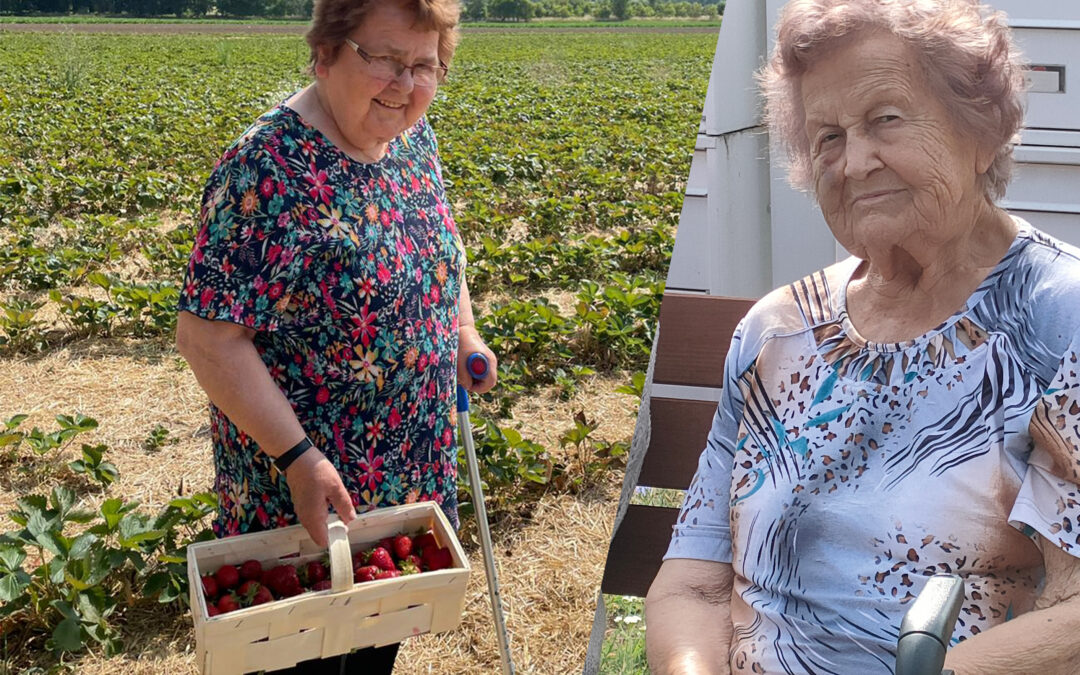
566	158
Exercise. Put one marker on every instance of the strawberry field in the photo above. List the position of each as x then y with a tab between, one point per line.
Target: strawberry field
566	156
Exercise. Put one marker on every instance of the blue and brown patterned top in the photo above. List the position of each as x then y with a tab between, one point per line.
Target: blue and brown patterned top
840	473
350	275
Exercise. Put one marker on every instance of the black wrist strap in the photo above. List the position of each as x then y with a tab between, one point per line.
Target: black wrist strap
283	461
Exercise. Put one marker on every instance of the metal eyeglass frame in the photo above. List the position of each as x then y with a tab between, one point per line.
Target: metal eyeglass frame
439	70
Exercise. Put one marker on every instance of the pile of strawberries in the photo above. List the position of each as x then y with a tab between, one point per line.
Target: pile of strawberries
234	587
395	556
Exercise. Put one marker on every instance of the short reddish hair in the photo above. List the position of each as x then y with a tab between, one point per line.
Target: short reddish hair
965	50
333	20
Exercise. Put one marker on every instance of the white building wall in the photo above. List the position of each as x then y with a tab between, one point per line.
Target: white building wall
744	231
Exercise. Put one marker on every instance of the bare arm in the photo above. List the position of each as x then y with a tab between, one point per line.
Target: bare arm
688	618
469	342
228	368
1042	641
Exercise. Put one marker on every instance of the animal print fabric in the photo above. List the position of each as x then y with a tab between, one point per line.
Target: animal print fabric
840	473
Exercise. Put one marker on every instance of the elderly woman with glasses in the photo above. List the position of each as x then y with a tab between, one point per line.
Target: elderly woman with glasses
912	410
325	310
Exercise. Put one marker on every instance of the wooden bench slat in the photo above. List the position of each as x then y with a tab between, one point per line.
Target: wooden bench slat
679	431
695	333
637	549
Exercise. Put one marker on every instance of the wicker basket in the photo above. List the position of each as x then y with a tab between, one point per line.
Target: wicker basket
328	623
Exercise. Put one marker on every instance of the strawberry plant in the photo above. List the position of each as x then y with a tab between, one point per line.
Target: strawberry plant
67	571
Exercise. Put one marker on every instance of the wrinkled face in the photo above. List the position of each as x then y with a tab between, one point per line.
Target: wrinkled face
370	111
888	167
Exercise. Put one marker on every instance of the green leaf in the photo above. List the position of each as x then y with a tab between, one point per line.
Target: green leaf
13	585
15	421
11	557
81	546
62	499
54	542
112	510
67	637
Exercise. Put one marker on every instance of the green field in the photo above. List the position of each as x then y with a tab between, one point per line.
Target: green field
565	155
536	23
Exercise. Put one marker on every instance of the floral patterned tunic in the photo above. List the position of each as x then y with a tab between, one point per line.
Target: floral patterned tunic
350	275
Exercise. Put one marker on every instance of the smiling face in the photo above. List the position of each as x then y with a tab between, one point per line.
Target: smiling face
370	112
888	167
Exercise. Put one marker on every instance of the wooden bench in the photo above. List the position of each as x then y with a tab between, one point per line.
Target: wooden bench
687	375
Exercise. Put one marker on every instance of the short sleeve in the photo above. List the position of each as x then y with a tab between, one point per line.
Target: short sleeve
1049	497
703	528
247	256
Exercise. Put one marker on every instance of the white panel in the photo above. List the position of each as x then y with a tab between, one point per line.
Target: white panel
739	52
738	215
1064	139
1053	48
690	258
801	241
1038	11
698	182
1064	226
1045	187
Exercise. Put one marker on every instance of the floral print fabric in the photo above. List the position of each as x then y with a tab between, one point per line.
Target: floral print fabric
350	275
841	473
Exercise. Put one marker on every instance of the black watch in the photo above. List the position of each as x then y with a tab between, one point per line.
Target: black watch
283	461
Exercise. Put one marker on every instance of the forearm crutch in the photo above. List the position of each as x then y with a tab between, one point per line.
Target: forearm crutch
477	366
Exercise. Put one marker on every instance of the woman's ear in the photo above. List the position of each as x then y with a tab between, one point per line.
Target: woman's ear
984	157
321	60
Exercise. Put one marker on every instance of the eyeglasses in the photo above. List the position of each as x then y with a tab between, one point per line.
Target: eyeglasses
388	68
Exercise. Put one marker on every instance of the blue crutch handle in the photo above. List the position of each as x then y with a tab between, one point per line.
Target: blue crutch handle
477	365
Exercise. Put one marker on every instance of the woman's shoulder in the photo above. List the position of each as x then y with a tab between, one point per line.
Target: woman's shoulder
265	144
798	307
801	305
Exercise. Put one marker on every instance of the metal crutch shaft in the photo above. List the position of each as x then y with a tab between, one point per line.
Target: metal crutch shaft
477	367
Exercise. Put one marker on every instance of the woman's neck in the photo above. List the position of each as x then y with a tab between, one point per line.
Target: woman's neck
310	103
902	292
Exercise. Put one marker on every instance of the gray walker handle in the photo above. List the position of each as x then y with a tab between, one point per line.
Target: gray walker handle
927	627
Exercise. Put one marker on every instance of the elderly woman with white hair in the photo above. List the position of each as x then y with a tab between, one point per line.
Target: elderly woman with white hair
912	410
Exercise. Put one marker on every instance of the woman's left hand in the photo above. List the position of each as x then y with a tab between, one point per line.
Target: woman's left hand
470	342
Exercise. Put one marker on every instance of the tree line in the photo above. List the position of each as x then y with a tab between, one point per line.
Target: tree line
475	10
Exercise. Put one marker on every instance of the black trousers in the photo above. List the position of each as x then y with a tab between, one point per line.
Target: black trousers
370	661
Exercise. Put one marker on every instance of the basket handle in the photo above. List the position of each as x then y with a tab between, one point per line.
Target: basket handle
341	576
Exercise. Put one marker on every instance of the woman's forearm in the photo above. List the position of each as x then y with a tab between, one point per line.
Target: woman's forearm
1043	641
688	626
465	313
229	369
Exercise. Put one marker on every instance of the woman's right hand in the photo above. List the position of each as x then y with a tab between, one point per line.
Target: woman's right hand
315	484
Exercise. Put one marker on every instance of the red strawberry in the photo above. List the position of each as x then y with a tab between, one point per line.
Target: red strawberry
247	591
358	560
437	558
402	546
423	542
313	573
262	596
212	610
323	585
210	586
283	581
251	569
381	558
366	573
228	603
387	543
227	577
415	561
388	574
